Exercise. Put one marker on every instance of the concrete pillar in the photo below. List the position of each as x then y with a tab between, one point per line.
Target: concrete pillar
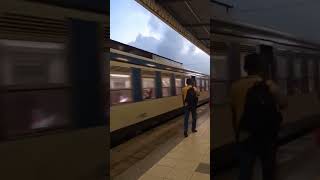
234	64
223	71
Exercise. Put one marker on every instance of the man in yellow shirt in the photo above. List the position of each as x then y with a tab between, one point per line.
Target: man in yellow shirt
189	106
248	150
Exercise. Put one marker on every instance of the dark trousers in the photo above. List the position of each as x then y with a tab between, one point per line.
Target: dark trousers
249	151
187	111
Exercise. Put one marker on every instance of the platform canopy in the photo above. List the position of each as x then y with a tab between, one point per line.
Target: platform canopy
190	18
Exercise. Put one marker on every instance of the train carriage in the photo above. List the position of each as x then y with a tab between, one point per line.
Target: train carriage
145	90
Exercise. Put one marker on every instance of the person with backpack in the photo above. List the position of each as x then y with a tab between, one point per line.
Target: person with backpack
190	101
256	104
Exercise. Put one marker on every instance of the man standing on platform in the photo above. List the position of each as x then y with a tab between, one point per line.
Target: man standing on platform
256	104
190	100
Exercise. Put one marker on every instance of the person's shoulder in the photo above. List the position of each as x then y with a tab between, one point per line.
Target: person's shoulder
272	85
185	88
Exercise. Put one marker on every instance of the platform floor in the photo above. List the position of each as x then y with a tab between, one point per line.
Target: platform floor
164	154
298	160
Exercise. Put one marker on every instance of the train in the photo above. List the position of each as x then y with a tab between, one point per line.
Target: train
145	90
40	137
289	61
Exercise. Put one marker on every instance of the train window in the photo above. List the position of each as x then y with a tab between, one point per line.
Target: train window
311	76
26	72
198	81
282	68
166	86
120	88
243	72
203	85
206	85
297	76
282	73
178	86
31	72
297	70
148	86
24	67
35	113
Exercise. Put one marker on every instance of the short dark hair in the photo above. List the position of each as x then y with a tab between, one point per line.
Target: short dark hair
188	81
252	63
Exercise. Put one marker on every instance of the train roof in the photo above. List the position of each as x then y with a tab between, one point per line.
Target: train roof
118	46
133	50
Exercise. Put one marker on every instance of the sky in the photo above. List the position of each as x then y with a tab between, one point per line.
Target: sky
132	24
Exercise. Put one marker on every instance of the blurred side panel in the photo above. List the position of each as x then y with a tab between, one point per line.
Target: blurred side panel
53	94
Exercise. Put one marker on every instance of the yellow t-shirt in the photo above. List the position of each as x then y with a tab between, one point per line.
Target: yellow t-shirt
185	90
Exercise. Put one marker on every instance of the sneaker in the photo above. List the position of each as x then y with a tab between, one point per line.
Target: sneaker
194	131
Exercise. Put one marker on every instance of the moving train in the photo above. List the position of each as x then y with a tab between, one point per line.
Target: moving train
145	90
292	63
39	136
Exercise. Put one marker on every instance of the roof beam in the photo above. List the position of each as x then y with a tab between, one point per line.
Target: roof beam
196	25
204	39
227	6
170	1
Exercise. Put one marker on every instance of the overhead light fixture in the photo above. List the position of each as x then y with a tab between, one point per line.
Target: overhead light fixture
119	75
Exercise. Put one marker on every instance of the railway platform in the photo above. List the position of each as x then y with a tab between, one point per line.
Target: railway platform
297	160
164	153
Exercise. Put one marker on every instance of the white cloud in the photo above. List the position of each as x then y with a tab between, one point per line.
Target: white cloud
148	32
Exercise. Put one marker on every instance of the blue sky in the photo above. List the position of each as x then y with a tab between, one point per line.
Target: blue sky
132	24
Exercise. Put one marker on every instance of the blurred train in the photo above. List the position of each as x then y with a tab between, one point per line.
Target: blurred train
41	136
145	90
292	63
